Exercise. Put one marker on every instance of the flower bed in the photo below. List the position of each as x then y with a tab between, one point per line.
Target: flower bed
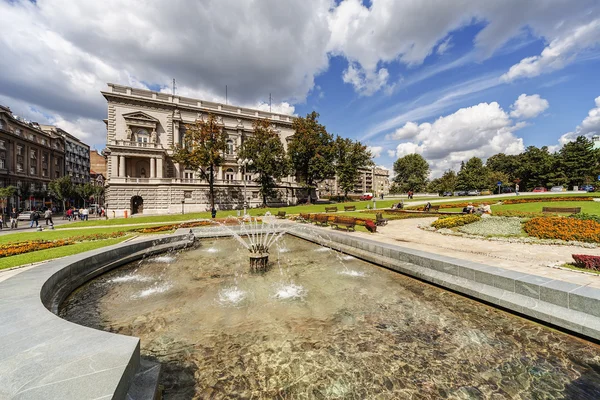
494	226
452	222
519	200
171	227
519	214
587	261
563	228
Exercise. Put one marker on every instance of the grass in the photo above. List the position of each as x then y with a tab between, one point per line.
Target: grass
576	268
588	207
42	255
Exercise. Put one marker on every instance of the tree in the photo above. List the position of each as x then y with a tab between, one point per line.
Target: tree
445	183
266	151
24	191
204	144
472	175
507	164
578	161
535	168
350	157
5	193
61	189
497	176
311	152
411	172
85	191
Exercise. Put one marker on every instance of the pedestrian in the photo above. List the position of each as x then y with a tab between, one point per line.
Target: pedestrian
14	218
517	189
48	217
1	221
75	214
34	218
84	214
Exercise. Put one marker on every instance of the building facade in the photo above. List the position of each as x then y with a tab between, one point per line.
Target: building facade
142	177
374	180
98	162
29	159
77	155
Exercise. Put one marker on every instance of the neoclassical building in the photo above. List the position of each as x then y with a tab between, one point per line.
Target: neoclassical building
142	127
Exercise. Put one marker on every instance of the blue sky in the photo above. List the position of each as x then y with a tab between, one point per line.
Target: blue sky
448	79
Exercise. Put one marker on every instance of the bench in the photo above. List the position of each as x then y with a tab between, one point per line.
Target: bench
566	210
379	220
331	209
344	222
320	219
280	214
349	208
432	209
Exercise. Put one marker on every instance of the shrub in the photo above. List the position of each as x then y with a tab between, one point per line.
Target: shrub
563	228
587	262
453	222
370	225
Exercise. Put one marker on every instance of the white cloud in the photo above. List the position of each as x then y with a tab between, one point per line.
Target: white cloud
366	82
559	53
526	107
478	131
589	127
375	151
444	46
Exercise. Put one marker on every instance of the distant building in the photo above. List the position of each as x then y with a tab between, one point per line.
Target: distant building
97	162
374	180
29	159
77	155
596	142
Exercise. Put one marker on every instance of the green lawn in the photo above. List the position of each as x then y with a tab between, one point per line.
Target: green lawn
588	207
42	255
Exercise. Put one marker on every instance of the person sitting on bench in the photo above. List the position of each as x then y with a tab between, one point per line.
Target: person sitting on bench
469	209
427	206
400	205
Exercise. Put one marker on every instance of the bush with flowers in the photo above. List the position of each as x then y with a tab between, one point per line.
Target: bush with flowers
564	228
587	261
454	221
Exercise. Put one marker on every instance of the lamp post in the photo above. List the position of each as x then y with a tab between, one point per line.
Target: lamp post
244	163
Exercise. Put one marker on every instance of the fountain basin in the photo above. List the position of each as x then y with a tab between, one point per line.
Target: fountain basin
74	362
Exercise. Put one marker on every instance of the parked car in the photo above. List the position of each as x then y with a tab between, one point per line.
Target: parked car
507	189
485	192
24	216
587	188
557	189
367	196
539	189
448	194
473	192
461	193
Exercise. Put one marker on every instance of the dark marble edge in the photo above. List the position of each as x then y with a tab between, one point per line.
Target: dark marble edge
44	356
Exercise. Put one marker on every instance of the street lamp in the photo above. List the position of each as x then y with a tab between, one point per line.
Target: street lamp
244	163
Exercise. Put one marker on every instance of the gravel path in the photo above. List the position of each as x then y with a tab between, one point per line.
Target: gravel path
528	258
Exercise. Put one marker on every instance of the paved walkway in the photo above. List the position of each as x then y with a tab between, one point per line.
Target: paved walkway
530	258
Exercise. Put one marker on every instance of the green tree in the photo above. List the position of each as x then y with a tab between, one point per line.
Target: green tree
507	164
24	191
497	176
472	175
411	172
311	152
85	191
445	183
268	157
350	157
204	144
61	189
535	168
578	161
6	193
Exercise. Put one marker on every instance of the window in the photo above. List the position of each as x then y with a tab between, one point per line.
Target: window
143	172
2	125
2	144
229	175
19	167
18	132
44	141
142	136
33	170
248	177
229	146
2	164
32	154
19	150
31	137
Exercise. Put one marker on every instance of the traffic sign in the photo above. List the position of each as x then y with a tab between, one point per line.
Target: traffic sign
500	183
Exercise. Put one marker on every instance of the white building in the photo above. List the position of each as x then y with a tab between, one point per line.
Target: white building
142	127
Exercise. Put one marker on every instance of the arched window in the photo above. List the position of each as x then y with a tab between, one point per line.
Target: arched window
142	136
229	146
229	175
143	172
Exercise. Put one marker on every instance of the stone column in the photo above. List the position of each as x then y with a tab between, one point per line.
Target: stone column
152	167
159	167
121	166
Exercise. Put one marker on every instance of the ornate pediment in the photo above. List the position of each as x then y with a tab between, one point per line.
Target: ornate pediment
140	118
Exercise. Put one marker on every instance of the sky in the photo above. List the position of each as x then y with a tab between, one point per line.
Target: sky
447	79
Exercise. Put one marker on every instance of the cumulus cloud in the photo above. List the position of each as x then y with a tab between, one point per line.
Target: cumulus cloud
589	127
559	53
366	82
478	131
375	151
526	107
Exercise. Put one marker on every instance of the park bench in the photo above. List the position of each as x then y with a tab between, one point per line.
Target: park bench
320	219
344	222
331	209
566	210
433	209
349	208
379	220
280	214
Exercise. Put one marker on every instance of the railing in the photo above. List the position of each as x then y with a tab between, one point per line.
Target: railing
154	181
129	143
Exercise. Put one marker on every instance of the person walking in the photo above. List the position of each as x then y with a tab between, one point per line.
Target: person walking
34	218
517	189
48	217
14	218
84	214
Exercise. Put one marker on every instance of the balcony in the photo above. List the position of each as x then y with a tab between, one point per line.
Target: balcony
178	181
128	143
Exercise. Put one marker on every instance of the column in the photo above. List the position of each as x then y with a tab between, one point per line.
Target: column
152	167
159	167
121	166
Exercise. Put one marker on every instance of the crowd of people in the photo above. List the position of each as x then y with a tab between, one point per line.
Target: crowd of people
72	214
